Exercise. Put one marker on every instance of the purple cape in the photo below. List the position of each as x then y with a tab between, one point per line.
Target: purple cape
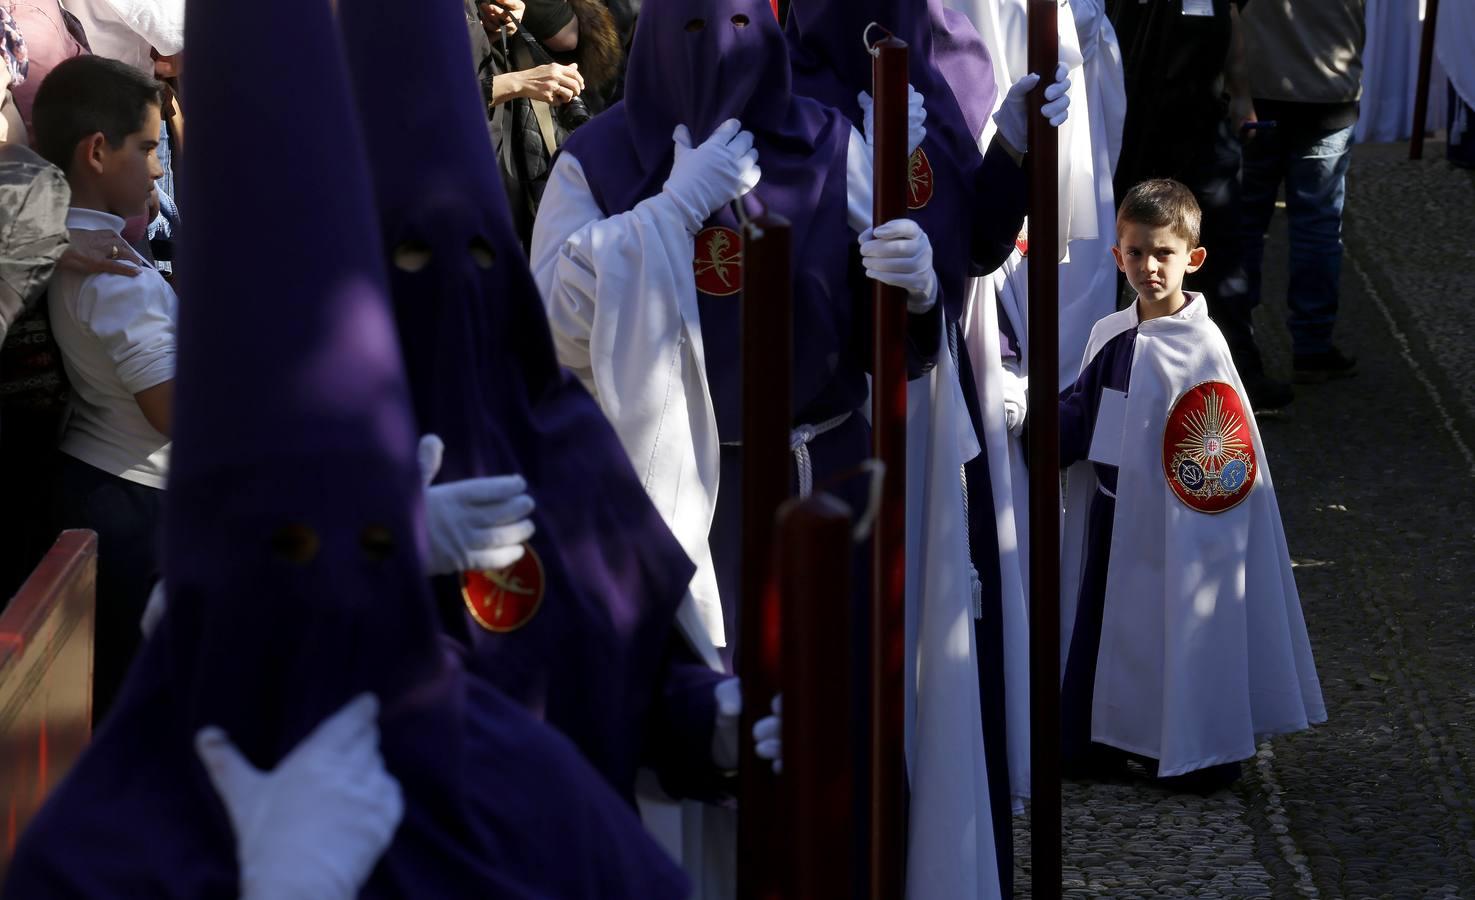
949	66
293	543
484	376
735	65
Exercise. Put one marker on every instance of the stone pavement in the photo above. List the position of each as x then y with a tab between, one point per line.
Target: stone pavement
1376	480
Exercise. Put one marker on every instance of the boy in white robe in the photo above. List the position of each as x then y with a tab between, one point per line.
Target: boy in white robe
1183	641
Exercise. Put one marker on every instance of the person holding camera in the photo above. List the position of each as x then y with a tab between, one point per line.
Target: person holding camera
543	64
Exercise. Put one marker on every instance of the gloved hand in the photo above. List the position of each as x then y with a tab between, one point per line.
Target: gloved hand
314	827
703	179
153	611
479	524
1016	403
768	734
898	253
916	115
1013	117
729	696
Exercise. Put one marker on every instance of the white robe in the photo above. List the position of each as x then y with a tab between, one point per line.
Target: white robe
1090	143
950	849
1009	479
1204	647
1390	66
1454	39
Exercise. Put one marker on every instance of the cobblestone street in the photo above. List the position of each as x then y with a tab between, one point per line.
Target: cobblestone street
1376	480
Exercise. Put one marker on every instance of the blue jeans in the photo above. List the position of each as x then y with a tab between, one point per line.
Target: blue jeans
1314	169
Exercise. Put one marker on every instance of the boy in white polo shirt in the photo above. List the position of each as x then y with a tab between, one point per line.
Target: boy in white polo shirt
98	120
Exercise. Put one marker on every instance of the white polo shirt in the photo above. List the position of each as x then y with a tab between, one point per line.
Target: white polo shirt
116	336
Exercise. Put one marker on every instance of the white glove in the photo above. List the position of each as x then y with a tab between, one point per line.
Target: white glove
729	696
1016	403
1013	117
475	525
898	253
722	169
314	827
768	735
153	611
916	115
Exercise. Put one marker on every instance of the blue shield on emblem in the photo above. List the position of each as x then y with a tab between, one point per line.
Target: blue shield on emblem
1233	475
1191	475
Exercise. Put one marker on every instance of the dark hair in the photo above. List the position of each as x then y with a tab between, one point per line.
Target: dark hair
87	94
1162	203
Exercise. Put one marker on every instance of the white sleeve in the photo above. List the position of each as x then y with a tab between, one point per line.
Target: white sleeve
859	179
160	22
620	292
134	320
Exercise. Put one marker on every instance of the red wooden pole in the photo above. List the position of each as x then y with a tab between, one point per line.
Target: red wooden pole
767	354
888	424
818	787
1044	464
1421	89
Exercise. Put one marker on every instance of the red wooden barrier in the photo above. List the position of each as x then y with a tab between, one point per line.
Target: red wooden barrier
45	680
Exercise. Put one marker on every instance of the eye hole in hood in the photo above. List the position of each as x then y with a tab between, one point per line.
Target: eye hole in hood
482	253
411	256
295	543
696	25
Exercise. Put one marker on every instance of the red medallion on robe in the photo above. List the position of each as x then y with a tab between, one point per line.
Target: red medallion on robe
1208	450
507	599
719	261
919	180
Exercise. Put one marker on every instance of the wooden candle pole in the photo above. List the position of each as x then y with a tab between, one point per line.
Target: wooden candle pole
767	354
1421	88
1044	464
888	423
818	783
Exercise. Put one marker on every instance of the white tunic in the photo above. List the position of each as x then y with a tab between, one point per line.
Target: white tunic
1204	647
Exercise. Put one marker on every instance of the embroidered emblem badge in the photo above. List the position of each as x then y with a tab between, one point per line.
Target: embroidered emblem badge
919	180
507	599
1208	450
719	261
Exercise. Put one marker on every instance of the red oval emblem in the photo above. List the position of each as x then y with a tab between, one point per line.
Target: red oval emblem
1208	450
507	599
919	180
719	261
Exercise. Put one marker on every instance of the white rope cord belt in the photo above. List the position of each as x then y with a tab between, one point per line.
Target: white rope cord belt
1102	488
799	440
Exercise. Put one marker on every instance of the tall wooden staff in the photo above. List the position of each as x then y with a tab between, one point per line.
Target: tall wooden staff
1421	89
889	436
767	353
1044	463
818	787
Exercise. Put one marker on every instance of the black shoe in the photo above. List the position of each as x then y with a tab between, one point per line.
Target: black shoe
1267	393
1315	368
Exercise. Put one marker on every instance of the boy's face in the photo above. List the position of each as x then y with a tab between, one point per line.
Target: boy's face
1155	259
124	175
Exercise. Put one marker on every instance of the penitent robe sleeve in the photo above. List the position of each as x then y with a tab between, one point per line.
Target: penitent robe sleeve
620	293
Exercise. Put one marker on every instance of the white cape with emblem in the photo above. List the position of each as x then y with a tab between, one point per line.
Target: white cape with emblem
1203	645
